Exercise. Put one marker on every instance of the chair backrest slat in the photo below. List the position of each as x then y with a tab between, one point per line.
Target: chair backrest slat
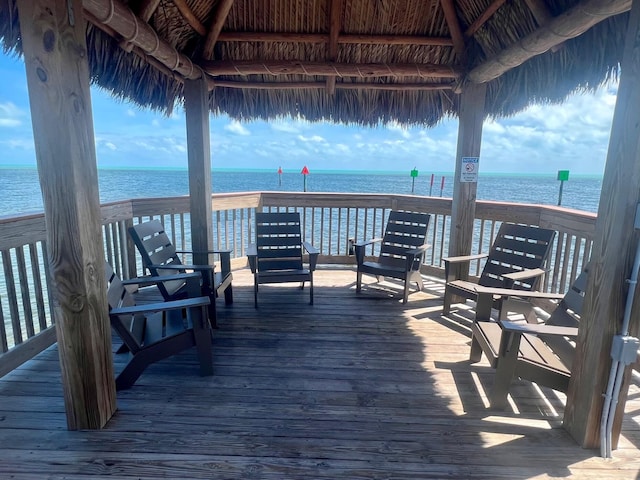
567	314
278	241
404	231
156	248
516	248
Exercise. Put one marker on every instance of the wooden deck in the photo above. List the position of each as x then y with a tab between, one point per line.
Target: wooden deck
353	387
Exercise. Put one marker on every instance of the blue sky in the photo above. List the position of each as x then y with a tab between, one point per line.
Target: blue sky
543	139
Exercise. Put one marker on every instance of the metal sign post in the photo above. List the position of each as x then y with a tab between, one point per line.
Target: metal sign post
563	176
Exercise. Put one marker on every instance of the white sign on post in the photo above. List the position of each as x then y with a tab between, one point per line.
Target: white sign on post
469	172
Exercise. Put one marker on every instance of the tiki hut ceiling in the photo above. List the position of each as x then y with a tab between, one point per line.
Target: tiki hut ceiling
351	61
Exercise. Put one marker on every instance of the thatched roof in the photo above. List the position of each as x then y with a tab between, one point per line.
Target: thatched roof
352	61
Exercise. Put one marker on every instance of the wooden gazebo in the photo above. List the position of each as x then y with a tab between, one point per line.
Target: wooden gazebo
365	62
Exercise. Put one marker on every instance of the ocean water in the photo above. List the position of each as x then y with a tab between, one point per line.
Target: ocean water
20	188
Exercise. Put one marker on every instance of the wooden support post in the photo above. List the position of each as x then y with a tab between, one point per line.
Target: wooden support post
55	53
464	193
196	101
611	259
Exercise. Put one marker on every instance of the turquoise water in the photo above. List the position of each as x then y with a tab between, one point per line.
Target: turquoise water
20	188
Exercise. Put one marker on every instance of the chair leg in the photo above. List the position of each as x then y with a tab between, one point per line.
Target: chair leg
358	281
311	292
255	292
446	308
202	338
405	295
228	295
476	350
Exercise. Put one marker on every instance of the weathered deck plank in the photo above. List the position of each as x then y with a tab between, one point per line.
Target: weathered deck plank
355	386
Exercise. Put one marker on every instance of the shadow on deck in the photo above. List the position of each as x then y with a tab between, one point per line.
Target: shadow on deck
353	387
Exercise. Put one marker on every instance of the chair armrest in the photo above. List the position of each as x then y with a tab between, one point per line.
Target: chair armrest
190	252
509	292
252	256
360	247
225	257
367	242
449	276
418	250
465	258
151	280
162	307
183	266
538	329
413	253
313	255
523	275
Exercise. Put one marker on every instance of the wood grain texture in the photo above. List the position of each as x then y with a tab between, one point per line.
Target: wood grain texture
354	387
336	69
122	20
463	208
612	257
344	39
53	38
196	101
570	24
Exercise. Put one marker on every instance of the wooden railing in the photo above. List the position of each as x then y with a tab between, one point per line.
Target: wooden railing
331	222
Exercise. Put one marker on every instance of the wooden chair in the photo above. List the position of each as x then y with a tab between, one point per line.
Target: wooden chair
277	254
153	332
537	350
161	259
515	261
401	251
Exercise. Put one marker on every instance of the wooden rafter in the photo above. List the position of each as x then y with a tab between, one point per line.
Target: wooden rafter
335	22
453	23
122	20
216	27
360	70
189	16
146	9
482	19
570	24
339	86
342	39
541	13
539	10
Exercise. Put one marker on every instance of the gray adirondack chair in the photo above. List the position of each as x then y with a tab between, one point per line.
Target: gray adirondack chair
537	350
401	251
155	331
276	256
515	261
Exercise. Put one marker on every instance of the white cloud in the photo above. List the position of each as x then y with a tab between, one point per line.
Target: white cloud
313	138
237	128
396	127
10	115
131	112
110	146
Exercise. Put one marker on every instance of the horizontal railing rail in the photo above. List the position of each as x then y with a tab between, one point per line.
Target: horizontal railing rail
331	221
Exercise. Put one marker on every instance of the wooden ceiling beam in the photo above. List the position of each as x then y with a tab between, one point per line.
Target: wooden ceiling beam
339	86
220	16
482	19
451	17
541	13
335	23
189	17
122	20
342	39
361	70
570	24
146	9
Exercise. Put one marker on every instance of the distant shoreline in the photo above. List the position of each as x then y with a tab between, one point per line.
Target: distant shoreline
320	172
